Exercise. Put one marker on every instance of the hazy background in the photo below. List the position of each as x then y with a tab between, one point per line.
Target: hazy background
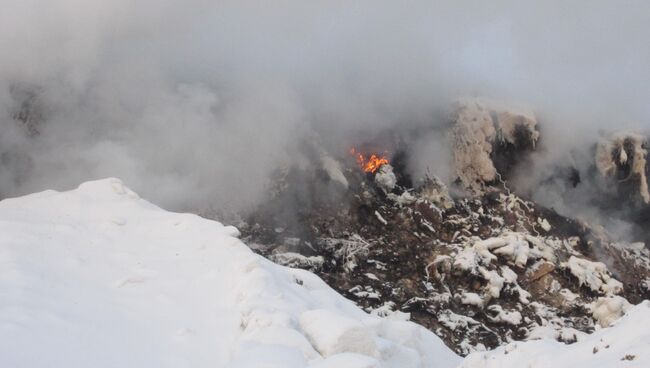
193	103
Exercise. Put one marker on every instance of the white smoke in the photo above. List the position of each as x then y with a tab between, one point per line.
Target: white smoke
194	103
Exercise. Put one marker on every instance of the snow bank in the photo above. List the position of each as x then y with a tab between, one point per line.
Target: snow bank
623	345
331	333
97	277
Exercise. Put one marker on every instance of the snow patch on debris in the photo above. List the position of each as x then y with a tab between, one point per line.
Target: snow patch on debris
608	309
504	316
509	122
296	260
625	344
593	275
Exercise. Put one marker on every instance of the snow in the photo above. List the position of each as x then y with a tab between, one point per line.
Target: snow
504	316
517	248
608	309
97	277
623	345
331	333
471	299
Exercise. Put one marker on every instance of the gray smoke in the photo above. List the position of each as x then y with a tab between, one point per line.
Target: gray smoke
194	103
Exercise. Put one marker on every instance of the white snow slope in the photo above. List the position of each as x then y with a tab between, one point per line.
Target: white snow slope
96	277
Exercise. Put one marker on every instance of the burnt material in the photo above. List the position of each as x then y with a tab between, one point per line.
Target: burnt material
478	272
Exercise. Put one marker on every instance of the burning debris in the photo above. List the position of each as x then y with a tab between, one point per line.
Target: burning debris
478	271
370	163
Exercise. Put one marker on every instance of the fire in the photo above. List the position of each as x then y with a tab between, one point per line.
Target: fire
369	164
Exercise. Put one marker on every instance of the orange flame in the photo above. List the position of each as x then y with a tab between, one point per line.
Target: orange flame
372	163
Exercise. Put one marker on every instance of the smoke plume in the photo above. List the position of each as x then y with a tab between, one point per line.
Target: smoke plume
195	103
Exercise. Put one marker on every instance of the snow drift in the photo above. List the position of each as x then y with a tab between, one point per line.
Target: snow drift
99	277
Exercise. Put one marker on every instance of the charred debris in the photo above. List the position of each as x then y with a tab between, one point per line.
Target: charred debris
481	267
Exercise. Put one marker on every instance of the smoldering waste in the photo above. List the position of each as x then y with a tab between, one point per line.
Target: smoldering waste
479	269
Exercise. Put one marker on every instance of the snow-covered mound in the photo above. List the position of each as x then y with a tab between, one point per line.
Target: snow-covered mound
626	344
97	277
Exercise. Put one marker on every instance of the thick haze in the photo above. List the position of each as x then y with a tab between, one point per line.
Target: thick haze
193	103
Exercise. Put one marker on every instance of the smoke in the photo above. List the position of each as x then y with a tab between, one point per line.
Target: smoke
195	103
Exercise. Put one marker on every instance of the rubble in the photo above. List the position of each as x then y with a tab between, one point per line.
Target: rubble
479	271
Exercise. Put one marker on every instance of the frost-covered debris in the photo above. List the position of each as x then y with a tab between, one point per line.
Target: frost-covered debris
436	193
97	277
512	126
624	156
594	275
388	310
472	138
513	270
480	133
623	345
297	260
637	253
349	251
499	315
